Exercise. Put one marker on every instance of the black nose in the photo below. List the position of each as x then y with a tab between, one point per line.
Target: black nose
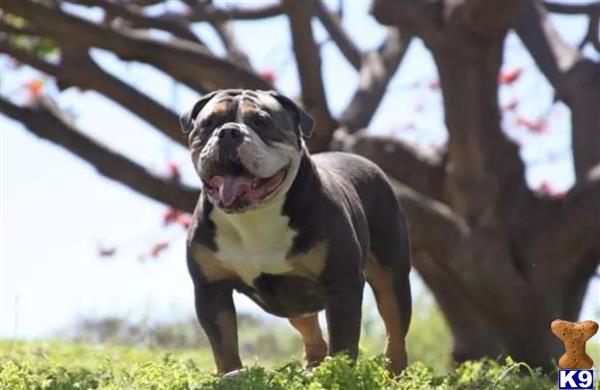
230	137
230	134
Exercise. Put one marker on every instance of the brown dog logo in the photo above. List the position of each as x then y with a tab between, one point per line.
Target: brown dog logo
574	335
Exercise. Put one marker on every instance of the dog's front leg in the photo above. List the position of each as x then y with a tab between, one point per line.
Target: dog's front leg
216	313
343	311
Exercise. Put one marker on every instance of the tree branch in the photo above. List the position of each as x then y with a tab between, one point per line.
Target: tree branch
572	8
592	10
308	59
416	17
28	58
434	228
210	13
440	246
46	121
569	227
77	68
466	40
194	66
207	12
575	79
11	29
459	307
333	26
143	3
135	15
592	33
234	52
403	162
377	70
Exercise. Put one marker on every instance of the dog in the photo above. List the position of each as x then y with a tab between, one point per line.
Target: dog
296	233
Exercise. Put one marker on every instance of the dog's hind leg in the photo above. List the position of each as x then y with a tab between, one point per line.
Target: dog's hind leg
387	271
392	306
315	347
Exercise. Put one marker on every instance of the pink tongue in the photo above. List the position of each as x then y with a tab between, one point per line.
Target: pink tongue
230	187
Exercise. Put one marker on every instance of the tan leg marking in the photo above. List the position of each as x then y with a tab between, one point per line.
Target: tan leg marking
210	266
315	347
227	357
381	281
310	264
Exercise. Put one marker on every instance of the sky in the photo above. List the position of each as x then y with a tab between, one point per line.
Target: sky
56	211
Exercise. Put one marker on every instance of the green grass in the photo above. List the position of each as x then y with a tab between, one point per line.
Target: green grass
69	365
112	353
271	341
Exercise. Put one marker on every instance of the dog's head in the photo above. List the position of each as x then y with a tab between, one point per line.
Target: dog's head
246	145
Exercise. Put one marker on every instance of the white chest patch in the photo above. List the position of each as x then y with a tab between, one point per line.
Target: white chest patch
254	242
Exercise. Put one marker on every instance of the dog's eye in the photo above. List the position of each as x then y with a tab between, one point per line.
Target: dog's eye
259	123
208	123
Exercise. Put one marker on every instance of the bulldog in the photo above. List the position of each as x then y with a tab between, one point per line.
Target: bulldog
296	233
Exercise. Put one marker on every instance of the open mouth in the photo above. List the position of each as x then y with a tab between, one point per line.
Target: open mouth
241	191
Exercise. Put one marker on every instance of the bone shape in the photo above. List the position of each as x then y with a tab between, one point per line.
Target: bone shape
574	335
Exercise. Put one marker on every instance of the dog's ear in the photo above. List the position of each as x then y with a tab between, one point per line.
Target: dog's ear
305	121
187	119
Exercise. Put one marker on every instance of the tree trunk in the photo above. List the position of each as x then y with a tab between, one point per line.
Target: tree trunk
497	288
502	261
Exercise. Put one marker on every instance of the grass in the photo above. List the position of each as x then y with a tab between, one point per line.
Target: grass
69	365
111	353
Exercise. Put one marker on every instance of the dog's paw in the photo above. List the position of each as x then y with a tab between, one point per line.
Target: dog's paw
314	354
234	373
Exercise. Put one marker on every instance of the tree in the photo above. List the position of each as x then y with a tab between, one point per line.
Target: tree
502	260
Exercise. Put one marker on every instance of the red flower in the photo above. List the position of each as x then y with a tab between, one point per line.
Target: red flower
34	89
537	127
158	248
434	84
509	76
170	215
511	105
107	251
184	220
173	171
545	188
13	64
268	75
408	126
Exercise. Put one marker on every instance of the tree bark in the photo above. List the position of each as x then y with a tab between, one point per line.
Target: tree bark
496	283
308	59
575	78
47	121
501	260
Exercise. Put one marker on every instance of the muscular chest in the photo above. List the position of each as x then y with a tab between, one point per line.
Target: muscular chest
249	245
256	243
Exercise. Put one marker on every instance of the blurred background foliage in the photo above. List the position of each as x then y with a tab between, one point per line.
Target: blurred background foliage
267	339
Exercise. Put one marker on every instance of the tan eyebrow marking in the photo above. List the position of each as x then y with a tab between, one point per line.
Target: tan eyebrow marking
246	108
220	109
